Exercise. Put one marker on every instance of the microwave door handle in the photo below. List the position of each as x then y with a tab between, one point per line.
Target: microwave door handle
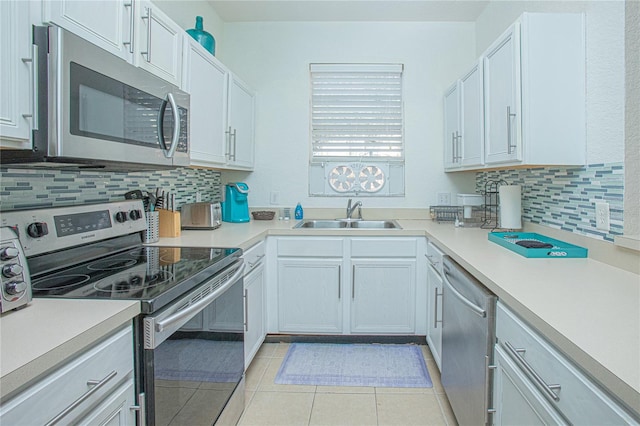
163	109
176	126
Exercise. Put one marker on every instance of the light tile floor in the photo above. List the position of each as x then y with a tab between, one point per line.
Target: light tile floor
271	404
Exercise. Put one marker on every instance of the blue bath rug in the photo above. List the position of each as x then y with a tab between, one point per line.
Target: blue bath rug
398	366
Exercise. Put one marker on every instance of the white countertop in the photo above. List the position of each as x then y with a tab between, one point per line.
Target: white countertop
588	309
48	331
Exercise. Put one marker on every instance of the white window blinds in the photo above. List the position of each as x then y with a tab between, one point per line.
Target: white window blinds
356	111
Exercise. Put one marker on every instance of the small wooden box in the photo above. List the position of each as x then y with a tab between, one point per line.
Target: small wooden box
169	223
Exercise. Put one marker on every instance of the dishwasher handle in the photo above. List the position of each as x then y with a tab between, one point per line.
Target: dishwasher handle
474	308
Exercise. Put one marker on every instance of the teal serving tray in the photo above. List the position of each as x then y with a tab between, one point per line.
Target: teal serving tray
558	249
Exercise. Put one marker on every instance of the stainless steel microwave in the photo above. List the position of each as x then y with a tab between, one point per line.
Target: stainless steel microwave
102	111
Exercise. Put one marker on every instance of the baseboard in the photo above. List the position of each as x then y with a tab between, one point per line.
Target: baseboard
306	338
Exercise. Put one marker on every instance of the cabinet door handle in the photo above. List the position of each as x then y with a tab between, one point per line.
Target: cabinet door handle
509	136
132	23
141	409
258	260
246	310
33	114
339	282
148	19
235	140
453	147
539	381
353	282
228	153
435	310
96	385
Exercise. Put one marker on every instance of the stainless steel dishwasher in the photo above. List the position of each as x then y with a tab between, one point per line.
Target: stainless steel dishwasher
468	336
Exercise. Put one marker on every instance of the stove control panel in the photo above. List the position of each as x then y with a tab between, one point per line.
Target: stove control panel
15	282
46	230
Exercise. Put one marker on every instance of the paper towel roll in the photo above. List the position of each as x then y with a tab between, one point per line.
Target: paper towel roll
510	207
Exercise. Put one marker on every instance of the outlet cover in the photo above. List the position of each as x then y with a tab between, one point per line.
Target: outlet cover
274	197
444	198
602	216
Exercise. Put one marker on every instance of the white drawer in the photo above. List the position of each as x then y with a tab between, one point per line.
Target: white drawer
109	363
384	247
254	257
310	247
579	399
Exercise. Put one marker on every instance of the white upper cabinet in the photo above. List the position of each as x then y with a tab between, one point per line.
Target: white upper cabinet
464	121
222	112
533	93
205	78
159	43
502	98
452	127
108	24
472	117
17	68
136	31
241	126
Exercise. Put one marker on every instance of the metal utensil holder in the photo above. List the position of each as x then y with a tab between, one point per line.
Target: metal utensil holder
152	235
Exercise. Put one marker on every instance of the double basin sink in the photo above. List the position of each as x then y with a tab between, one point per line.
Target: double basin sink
348	224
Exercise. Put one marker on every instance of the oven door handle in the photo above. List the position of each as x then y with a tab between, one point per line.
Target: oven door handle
180	315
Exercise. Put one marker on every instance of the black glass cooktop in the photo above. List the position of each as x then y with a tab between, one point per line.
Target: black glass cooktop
152	275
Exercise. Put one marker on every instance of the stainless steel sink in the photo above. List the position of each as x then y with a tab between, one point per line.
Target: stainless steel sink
348	224
376	224
331	224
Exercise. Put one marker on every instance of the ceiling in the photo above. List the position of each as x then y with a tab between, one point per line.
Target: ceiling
348	10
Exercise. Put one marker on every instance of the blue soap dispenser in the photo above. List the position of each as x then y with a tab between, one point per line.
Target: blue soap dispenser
298	214
201	36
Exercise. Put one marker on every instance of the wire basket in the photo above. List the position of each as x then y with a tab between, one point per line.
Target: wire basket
152	234
445	213
263	215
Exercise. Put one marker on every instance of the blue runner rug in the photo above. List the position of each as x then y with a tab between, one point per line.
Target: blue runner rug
400	366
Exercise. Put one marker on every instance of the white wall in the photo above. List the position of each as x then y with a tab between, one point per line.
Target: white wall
604	22
184	13
632	135
274	57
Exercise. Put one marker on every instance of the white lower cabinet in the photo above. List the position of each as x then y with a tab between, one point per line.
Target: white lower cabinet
254	301
516	401
95	387
383	296
309	295
434	314
346	285
536	384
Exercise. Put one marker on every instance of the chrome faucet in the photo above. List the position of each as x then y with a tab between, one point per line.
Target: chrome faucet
350	209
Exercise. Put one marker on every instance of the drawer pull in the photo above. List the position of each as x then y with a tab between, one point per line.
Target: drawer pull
257	261
539	381
96	385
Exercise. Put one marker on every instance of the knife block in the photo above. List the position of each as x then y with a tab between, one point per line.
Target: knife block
169	223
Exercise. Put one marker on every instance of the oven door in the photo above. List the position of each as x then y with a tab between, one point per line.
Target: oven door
193	358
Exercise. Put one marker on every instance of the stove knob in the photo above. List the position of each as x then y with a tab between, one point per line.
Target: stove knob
121	217
12	270
14	288
9	253
37	229
135	214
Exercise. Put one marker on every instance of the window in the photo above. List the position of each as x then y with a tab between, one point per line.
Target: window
356	129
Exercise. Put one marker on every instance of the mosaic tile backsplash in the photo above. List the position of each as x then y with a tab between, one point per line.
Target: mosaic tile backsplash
564	197
37	188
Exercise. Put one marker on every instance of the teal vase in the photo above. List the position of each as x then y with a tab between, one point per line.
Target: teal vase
201	36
